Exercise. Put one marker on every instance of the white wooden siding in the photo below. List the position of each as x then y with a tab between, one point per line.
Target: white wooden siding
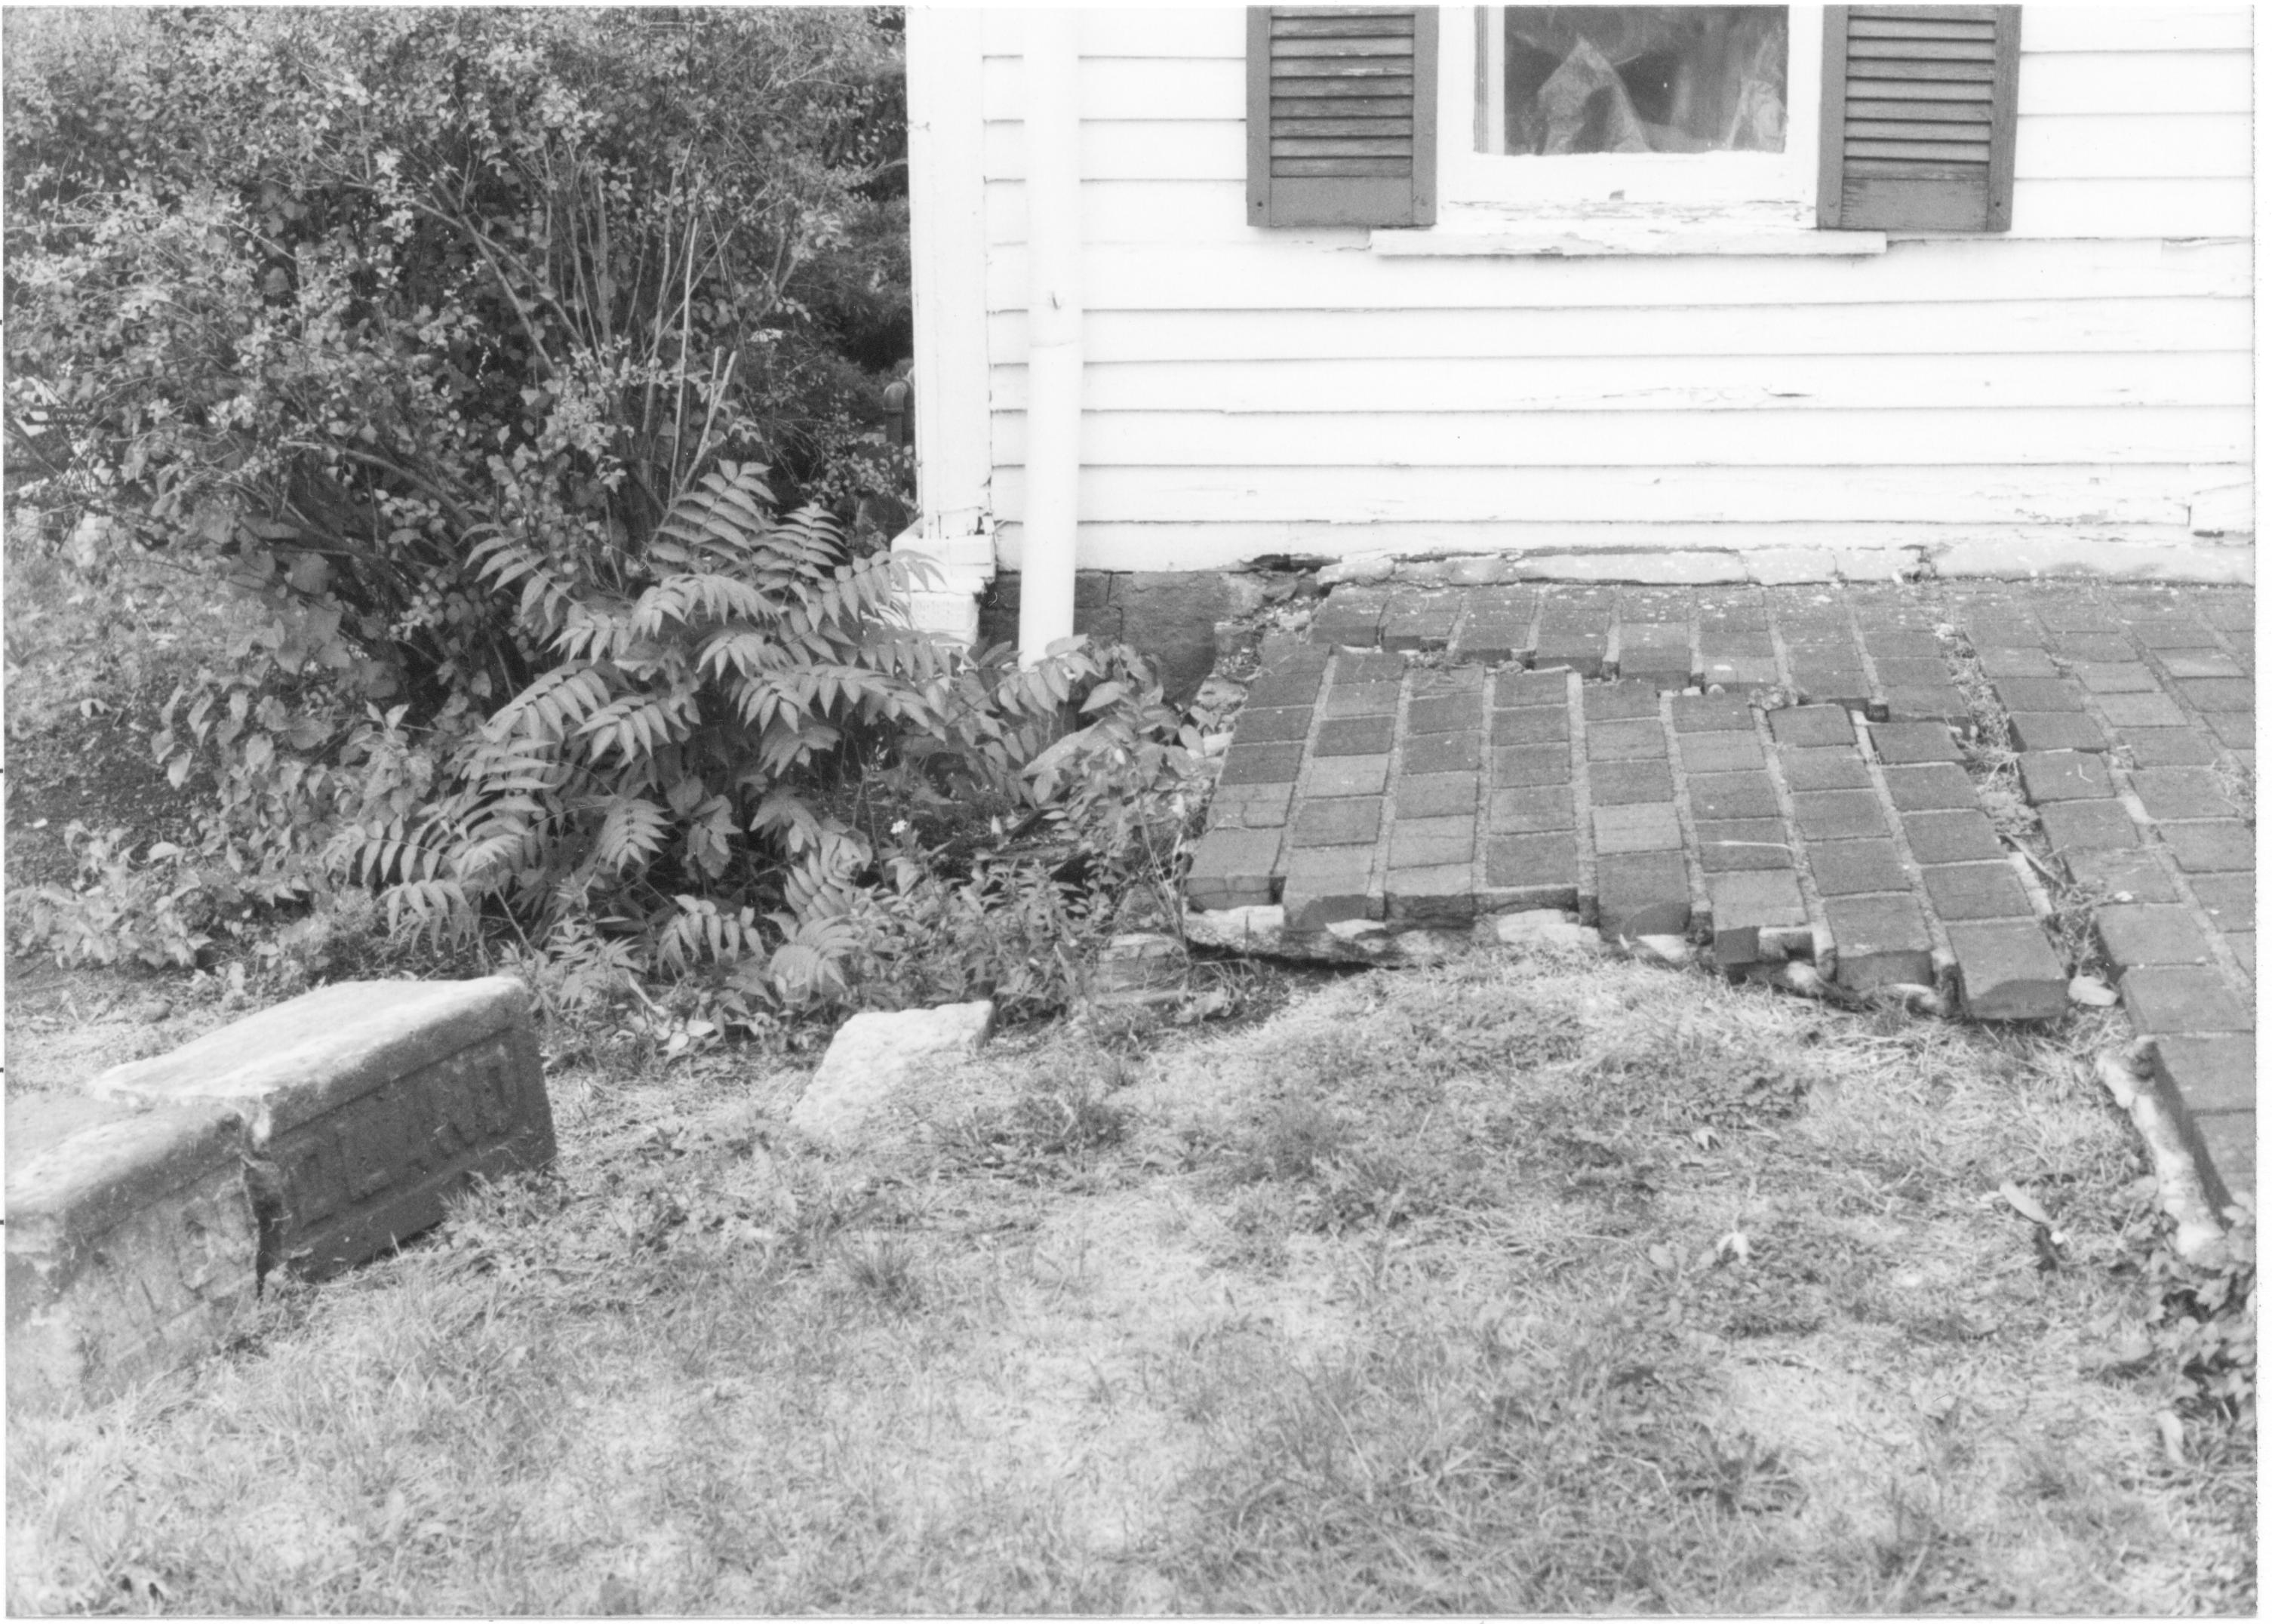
2091	375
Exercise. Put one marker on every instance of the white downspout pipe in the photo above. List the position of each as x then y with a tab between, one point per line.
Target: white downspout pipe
1052	131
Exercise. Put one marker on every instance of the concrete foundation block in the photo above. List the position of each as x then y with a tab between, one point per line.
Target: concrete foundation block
132	1243
374	1103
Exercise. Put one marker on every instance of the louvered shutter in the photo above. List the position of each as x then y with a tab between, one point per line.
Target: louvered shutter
1341	116
1919	105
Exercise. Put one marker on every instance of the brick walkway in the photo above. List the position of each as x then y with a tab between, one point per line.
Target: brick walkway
1432	755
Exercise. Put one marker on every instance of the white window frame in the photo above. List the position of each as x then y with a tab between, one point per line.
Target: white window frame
1640	183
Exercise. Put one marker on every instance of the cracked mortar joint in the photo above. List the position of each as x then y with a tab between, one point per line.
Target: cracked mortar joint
2200	1237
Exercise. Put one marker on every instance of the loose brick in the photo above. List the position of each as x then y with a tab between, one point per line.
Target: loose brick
2218	693
2126	876
2036	693
1233	868
1355	736
1851	867
2225	1144
1445	681
2141	710
1837	814
1644	895
1901	742
2167	747
1533	724
1743	904
1950	836
2055	729
1445	713
2230	899
1943	704
377	1102
1262	764
1329	886
1732	795
1442	895
1438	794
1823	769
1374	666
1977	891
1532	810
1350	618
1528	765
1419	619
1618	701
2208	1074
1901	673
2087	825
1492	639
1620	783
1346	698
1349	775
1743	843
1431	842
2120	677
2181	999
1880	940
1342	821
1641	828
1579	652
1721	753
2211	847
1538	871
2007	970
1812	725
1273	727
1710	713
2063	775
2142	933
1530	688
1838	685
1935	787
1287	685
1250	806
2182	792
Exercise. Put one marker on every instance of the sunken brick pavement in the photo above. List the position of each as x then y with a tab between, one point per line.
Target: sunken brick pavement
1801	772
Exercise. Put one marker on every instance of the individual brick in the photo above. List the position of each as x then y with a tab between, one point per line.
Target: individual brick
1445	713
2055	729
1438	794
1442	895
1492	639
1732	795
1443	752
1329	886
1742	843
2160	631
1626	741
2223	1143
2242	944
1618	701
2036	693
1943	705
1355	736
1287	685
1347	775
1880	940
1912	673
2208	1074
1418	619
2063	775
1721	753
2228	899
1350	616
2167	747
1250	806
1532	810
2117	676
1902	743
1233	868
2016	662
2131	876
1369	666
1934	786
1535	870
2221	847
1262	764
1531	688
2144	933
1431	842
1645	894
2007	970
1341	820
2235	729
2182	792
1533	724
2102	647
2228	608
1739	675
1621	783
1837	814
1902	645
2191	998
378	1103
2218	693
1710	713
1832	685
1950	836
2200	663
2087	825
1285	725
2141	710
1349	698
1747	903
1977	891
1527	765
2076	614
1823	769
2005	632
1851	867
1579	651
1646	826
1811	725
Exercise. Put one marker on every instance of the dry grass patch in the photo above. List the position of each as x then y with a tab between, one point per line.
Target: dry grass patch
1524	1285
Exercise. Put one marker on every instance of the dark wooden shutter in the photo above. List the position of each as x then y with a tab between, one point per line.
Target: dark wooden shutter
1919	105
1341	116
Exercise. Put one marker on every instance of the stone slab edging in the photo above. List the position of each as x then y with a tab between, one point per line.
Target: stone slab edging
314	1135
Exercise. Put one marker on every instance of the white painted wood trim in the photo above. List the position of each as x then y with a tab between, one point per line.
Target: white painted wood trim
947	182
1487	232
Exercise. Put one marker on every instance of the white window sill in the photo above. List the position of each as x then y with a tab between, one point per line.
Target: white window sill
1563	230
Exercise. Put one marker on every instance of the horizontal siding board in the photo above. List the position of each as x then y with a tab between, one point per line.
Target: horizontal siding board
2220	330
1941	437
1733	384
2123	29
1986	494
1168	32
2163	145
2133	81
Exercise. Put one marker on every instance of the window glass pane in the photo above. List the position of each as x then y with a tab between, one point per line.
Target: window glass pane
1645	78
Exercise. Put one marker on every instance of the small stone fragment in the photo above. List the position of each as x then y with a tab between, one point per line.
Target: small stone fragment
2091	991
873	1053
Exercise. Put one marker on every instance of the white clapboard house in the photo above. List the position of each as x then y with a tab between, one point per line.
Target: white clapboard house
1652	293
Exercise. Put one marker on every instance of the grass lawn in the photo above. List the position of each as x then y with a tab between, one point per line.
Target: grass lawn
1529	1284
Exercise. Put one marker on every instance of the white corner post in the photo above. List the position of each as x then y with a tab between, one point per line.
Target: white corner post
950	546
1053	321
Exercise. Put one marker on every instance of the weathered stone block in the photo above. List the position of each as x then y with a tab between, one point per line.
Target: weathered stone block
876	1053
375	1102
